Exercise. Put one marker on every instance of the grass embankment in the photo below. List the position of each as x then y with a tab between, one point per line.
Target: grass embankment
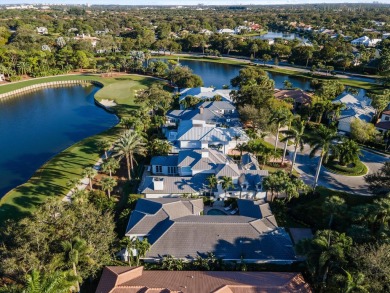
357	169
50	180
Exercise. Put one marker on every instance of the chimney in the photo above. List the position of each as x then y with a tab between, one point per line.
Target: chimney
201	110
158	183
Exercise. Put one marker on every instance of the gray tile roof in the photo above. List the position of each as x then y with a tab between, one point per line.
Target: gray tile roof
225	240
255	209
142	222
178	232
164	160
187	131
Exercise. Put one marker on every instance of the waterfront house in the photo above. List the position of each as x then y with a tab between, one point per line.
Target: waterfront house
187	173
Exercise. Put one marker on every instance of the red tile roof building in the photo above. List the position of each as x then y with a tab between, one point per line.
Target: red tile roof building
136	280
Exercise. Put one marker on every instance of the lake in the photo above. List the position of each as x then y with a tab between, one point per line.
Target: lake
217	75
36	126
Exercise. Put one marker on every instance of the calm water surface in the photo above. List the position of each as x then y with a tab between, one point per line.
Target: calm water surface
36	126
216	74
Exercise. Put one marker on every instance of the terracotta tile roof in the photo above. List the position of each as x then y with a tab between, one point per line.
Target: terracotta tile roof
201	282
298	96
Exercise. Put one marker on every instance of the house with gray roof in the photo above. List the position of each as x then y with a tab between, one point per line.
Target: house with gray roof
175	227
187	172
355	107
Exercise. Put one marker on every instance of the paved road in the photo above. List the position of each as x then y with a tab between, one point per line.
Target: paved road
307	167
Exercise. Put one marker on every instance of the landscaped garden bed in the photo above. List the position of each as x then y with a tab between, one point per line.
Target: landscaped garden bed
354	169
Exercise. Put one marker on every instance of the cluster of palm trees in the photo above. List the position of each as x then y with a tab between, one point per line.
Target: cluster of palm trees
129	144
225	181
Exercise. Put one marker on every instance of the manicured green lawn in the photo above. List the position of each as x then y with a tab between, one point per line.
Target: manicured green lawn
50	180
358	169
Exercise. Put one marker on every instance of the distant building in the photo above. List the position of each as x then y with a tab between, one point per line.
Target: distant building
87	38
42	30
299	97
365	41
206	32
102	33
227	31
206	93
135	279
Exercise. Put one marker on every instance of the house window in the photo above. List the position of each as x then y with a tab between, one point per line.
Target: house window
386	118
158	169
172	170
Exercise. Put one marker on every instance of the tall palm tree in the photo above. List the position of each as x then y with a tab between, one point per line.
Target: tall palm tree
212	182
142	248
89	172
129	144
241	147
76	252
226	183
109	166
322	141
281	118
55	282
297	134
108	185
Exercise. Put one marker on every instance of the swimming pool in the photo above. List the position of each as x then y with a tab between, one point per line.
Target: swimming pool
215	212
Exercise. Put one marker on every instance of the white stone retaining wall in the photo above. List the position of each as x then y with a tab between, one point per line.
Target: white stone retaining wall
59	83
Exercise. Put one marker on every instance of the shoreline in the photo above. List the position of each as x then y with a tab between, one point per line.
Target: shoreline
22	199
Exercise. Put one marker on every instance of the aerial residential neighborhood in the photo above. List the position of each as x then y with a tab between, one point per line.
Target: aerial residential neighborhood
194	147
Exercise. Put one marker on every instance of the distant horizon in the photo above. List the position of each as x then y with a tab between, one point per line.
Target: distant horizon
189	2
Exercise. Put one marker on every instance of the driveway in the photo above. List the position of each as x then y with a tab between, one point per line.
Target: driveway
307	167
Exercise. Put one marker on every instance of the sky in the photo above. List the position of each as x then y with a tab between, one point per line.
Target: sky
186	2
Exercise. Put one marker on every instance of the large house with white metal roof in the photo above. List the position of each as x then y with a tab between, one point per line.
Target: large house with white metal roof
187	172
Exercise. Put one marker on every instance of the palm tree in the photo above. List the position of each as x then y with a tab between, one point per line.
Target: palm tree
129	144
355	283
56	282
212	182
227	183
142	248
108	185
73	184
147	55
104	145
89	172
322	141
75	252
326	250
347	152
297	134
241	147
129	244
281	118
109	166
